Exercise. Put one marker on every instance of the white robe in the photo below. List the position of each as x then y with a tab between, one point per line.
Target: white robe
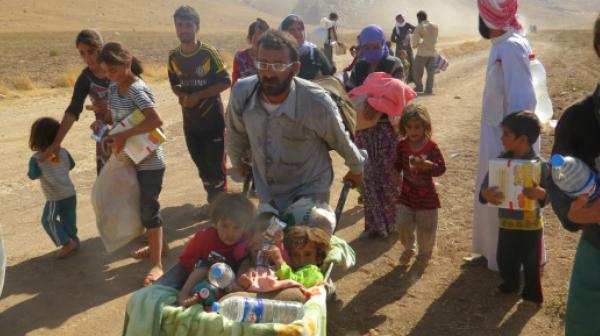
508	89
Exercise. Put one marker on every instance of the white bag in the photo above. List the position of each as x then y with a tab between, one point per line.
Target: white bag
2	262
116	201
306	211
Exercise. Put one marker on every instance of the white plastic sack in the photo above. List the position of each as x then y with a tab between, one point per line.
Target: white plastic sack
116	201
305	211
2	262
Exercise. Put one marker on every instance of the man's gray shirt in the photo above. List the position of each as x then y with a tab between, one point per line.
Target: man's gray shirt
290	146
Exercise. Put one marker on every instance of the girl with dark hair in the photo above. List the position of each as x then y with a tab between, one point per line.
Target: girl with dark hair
578	134
243	62
91	82
59	217
126	94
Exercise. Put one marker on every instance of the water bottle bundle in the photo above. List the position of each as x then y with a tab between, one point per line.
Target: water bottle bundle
256	310
574	177
543	108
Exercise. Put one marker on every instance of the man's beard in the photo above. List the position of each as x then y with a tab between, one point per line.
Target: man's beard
484	30
186	38
271	86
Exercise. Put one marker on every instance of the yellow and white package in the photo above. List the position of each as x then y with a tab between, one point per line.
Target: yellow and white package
511	176
138	147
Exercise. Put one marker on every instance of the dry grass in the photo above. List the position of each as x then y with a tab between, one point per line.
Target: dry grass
22	82
68	78
5	91
227	58
155	71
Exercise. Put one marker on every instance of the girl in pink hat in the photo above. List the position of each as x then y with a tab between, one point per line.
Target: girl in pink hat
384	99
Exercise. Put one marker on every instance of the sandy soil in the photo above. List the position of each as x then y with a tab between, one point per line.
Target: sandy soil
87	293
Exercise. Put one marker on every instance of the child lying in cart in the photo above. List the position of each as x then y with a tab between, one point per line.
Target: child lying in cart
280	280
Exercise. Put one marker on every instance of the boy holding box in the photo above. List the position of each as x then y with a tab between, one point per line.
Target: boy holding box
520	235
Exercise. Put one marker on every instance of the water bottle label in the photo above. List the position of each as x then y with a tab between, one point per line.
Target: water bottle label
204	293
253	310
590	189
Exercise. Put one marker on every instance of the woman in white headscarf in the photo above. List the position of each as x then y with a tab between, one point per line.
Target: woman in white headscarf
508	89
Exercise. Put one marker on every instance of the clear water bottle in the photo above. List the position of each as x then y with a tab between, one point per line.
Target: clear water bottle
97	136
220	275
574	177
543	109
255	310
276	226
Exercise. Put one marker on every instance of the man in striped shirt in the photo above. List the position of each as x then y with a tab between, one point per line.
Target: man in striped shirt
198	76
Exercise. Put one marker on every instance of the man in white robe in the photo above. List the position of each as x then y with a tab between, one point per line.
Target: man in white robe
508	89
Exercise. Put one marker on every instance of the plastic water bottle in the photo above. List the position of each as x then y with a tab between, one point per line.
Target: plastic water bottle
574	177
275	227
97	136
220	275
255	310
543	109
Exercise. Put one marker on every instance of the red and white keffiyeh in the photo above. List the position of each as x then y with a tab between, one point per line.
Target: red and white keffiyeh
499	14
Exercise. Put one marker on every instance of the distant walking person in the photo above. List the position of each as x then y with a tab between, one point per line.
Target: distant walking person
198	76
401	36
332	37
508	89
424	39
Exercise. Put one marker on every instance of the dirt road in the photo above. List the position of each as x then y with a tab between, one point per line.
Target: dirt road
86	293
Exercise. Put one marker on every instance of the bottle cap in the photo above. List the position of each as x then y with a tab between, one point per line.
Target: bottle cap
217	271
531	56
215	307
557	160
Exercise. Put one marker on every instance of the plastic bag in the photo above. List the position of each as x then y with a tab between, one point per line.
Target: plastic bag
116	202
306	211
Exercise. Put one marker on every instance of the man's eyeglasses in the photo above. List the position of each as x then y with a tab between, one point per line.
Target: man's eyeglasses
264	66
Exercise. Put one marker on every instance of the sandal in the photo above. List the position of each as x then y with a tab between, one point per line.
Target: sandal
67	249
142	252
153	276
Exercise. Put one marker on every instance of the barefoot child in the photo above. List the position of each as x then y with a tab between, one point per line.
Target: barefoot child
230	216
307	248
520	235
127	93
59	216
419	159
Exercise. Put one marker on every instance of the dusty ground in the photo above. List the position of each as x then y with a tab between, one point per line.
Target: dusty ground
86	293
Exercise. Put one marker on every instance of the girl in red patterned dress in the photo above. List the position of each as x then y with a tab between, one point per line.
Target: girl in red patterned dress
419	159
